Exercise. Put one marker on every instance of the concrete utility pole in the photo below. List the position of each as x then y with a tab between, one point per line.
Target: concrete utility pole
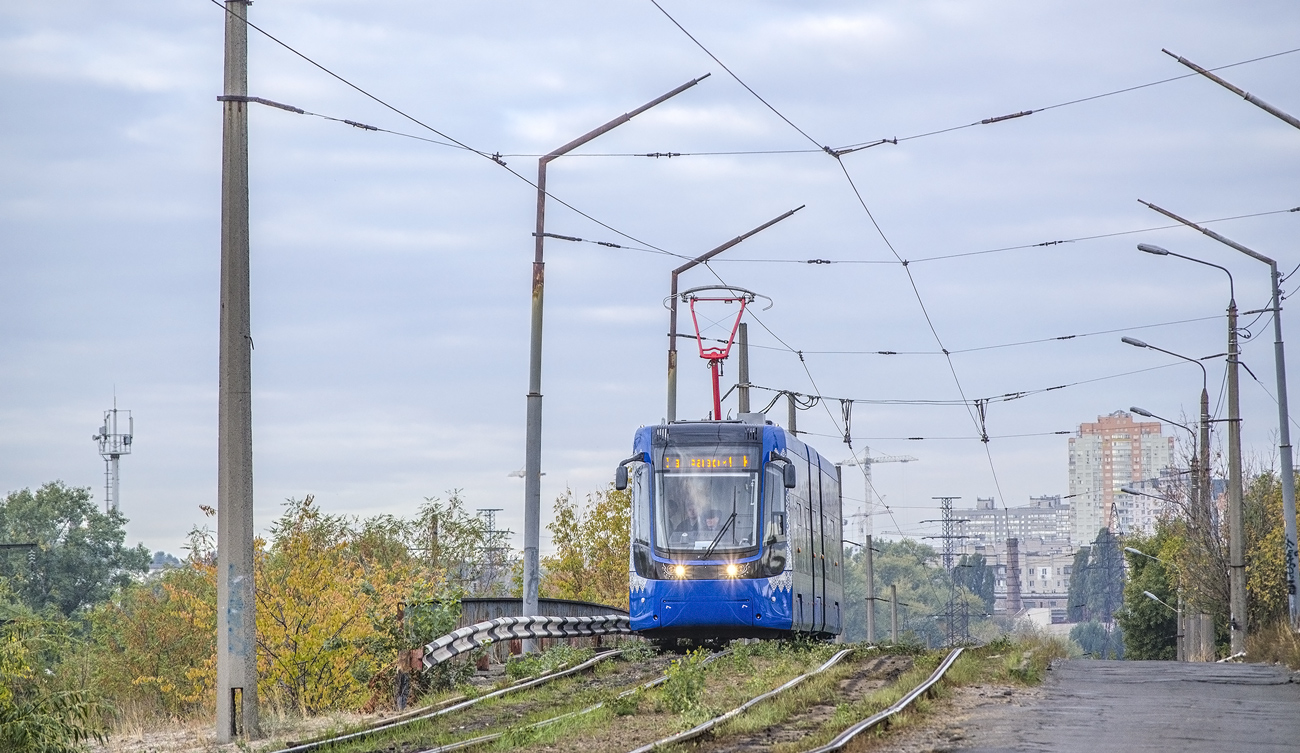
742	387
1236	514
672	317
236	600
893	613
1286	460
533	439
871	592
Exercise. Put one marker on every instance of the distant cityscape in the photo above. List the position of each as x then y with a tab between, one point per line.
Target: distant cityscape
1104	456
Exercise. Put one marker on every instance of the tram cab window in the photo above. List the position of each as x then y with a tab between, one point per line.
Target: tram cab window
774	502
695	509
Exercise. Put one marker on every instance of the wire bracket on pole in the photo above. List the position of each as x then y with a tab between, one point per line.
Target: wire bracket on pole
260	101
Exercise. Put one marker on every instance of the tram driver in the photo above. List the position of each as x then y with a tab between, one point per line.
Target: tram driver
689	524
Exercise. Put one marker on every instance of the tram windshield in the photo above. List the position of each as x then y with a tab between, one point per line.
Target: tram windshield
697	508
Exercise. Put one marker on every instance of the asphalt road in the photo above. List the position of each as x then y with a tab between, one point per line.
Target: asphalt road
1103	706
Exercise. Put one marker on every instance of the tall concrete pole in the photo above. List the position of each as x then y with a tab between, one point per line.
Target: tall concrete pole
1205	499
871	593
742	389
533	439
1285	452
893	613
1236	513
236	601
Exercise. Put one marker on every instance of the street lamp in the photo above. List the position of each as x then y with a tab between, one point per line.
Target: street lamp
1200	460
1283	416
1203	503
1131	550
1236	517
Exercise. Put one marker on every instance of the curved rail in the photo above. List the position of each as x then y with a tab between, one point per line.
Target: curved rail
844	737
696	731
305	747
512	628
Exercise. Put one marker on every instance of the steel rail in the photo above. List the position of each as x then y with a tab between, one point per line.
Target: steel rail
847	735
305	747
471	742
700	729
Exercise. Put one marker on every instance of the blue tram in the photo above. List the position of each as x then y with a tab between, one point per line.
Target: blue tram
736	533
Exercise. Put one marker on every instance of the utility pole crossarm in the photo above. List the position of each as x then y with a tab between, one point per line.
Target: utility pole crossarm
620	120
671	415
1225	241
1251	98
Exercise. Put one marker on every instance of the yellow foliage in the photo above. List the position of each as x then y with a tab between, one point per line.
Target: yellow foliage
327	594
1265	542
156	641
591	557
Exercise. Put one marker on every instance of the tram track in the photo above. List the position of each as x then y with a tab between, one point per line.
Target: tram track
849	682
446	707
492	737
873	675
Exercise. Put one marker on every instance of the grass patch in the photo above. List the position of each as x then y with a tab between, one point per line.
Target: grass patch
1274	644
552	659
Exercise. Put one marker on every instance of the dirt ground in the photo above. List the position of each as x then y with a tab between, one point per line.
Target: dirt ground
946	724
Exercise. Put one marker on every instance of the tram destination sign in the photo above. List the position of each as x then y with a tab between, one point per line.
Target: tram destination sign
712	458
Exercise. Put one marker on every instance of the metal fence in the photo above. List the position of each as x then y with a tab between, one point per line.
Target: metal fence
474	610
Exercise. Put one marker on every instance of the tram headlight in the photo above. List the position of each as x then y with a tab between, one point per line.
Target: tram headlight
680	571
732	571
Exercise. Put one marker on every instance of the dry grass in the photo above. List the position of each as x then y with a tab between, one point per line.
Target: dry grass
1274	644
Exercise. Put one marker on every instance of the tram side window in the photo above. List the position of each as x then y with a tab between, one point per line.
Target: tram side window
641	503
774	502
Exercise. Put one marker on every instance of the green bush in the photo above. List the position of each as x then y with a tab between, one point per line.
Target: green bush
685	685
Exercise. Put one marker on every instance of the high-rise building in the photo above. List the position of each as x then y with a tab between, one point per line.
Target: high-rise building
1104	456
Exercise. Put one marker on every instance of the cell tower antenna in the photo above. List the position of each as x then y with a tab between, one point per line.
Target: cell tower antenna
113	444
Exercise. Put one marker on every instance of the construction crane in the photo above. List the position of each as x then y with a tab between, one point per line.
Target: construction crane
865	463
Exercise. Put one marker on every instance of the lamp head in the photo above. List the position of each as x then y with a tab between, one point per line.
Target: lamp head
1134	342
1150	596
1130	490
1141	412
1150	249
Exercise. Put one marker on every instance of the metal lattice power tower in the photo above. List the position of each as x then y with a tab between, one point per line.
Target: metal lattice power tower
865	528
113	444
957	614
494	554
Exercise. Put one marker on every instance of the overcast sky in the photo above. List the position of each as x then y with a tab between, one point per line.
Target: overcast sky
390	276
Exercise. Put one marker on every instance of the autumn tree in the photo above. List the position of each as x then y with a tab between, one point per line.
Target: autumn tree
154	643
591	548
1266	576
40	709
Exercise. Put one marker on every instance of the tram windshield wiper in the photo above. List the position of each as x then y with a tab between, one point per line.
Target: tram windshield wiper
718	538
